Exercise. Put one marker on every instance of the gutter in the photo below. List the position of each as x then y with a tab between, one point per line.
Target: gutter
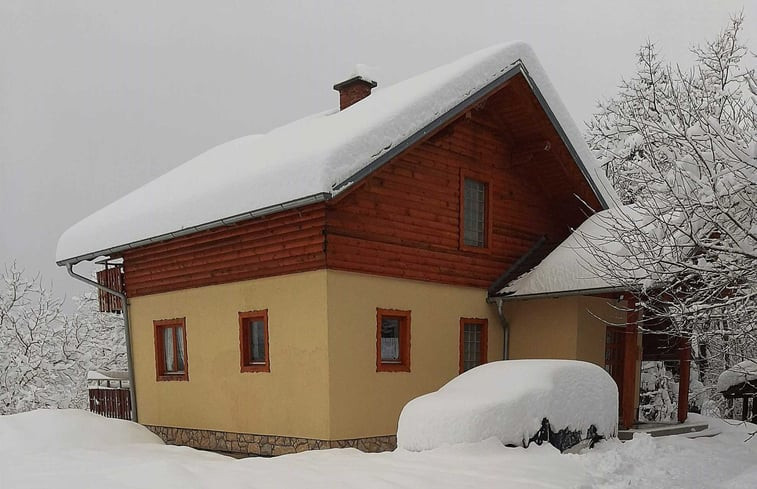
497	298
127	333
505	328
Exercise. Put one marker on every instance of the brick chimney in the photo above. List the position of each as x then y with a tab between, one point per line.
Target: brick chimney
353	90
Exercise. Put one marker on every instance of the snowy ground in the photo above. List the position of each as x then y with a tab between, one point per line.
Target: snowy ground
75	449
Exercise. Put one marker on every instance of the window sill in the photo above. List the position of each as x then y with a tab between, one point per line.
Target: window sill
392	367
172	377
262	367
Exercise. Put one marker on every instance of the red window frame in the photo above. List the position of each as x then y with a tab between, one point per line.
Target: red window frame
160	361
245	355
487	211
484	344
403	364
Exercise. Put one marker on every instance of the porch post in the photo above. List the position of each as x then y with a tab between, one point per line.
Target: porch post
630	352
684	356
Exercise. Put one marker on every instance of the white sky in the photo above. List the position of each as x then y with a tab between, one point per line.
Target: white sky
98	97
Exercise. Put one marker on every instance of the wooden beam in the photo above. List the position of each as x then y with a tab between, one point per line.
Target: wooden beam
684	356
629	394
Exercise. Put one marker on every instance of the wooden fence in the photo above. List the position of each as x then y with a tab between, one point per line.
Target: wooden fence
110	402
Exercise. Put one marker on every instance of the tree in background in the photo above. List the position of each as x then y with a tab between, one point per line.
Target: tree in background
680	147
45	354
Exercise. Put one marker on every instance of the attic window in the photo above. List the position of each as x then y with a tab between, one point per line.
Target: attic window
474	212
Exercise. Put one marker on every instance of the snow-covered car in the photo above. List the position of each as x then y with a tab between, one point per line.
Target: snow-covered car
567	403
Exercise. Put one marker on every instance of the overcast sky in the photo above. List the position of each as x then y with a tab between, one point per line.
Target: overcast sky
99	97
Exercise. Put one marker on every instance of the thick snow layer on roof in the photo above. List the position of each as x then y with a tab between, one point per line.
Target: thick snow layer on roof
307	157
508	400
745	371
582	260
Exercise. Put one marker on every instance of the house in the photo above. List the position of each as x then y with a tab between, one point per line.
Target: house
294	290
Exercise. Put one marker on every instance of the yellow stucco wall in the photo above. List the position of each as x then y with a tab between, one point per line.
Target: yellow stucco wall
291	400
543	328
322	338
368	403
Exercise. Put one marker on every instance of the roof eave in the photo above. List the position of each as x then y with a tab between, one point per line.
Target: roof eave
226	221
554	294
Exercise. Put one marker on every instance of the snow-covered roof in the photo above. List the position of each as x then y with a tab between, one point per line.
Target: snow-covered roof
581	262
107	375
314	158
740	373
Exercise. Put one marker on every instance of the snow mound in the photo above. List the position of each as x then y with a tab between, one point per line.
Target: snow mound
69	428
508	400
745	371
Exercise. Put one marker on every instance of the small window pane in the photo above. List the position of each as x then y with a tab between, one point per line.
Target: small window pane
471	346
390	339
257	341
180	350
474	213
168	351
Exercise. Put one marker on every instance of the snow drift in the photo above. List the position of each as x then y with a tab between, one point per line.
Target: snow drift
61	429
508	400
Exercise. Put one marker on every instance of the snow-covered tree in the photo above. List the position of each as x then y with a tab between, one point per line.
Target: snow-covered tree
44	353
680	145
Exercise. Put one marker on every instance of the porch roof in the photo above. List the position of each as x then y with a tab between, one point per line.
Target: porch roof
593	259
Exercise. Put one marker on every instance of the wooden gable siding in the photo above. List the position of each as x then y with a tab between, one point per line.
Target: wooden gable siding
285	242
404	221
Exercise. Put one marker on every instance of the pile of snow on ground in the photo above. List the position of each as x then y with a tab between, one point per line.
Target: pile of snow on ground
59	429
126	457
508	400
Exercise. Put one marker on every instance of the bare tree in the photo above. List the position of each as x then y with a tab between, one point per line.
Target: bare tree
44	353
681	148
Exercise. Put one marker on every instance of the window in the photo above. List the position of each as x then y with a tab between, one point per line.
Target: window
474	212
473	342
253	341
392	340
171	349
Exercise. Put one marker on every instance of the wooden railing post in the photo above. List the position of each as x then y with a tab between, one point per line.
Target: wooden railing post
630	353
684	357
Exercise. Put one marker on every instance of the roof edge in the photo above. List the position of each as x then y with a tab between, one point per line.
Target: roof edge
226	221
552	295
429	128
565	138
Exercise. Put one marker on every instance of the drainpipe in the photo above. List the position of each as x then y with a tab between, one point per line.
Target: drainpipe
505	329
127	333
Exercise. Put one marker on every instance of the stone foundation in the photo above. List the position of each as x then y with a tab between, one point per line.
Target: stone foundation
265	445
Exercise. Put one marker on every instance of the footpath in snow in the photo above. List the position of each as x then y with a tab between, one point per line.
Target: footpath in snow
70	449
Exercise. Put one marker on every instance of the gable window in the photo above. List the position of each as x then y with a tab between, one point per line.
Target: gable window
473	343
171	349
474	212
392	340
253	341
